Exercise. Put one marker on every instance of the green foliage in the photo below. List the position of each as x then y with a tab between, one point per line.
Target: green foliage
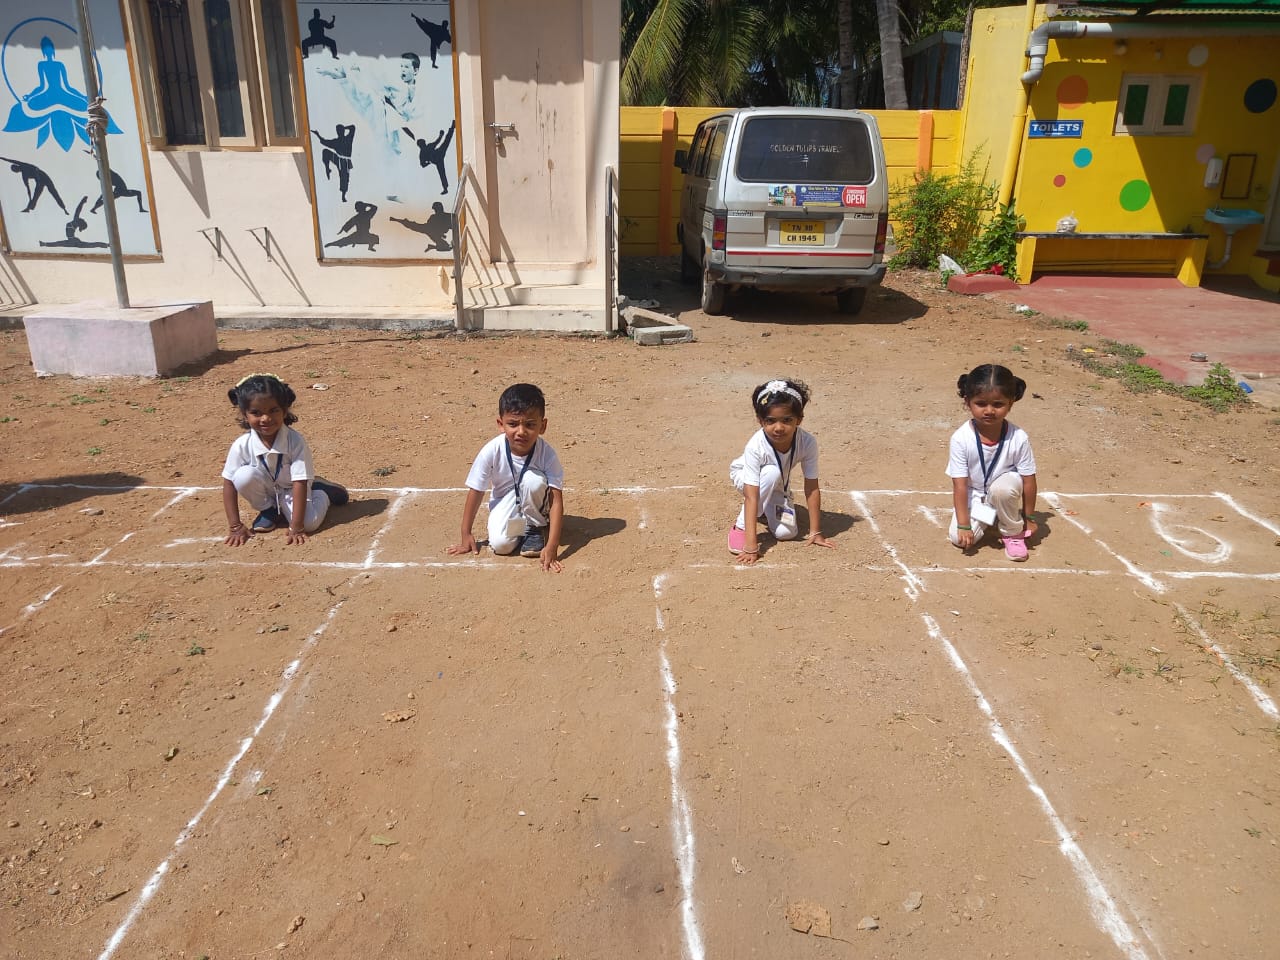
940	213
996	244
1219	391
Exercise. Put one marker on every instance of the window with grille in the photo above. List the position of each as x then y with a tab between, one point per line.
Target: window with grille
222	72
1157	105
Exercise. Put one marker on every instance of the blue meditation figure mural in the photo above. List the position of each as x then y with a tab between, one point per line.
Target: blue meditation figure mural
54	107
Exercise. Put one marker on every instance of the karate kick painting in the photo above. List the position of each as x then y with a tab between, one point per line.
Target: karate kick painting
379	85
51	197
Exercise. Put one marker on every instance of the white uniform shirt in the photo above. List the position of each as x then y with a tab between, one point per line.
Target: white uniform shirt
289	453
1015	457
491	469
760	453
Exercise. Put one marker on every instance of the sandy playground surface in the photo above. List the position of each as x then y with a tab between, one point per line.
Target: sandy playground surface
363	747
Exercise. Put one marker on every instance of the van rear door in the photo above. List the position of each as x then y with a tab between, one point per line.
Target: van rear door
806	192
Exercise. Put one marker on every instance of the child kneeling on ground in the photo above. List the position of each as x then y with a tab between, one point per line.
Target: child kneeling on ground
523	476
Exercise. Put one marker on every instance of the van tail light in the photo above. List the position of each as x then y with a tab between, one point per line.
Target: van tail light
882	231
719	226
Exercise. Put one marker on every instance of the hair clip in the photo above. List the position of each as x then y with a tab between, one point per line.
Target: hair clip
270	376
775	387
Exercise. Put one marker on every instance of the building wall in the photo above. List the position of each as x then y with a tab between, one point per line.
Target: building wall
235	198
1119	183
993	87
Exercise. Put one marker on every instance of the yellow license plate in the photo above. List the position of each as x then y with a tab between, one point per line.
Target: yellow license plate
802	233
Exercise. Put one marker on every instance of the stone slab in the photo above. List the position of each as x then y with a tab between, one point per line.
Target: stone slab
100	339
651	329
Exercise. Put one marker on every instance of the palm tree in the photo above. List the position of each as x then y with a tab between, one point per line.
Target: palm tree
895	84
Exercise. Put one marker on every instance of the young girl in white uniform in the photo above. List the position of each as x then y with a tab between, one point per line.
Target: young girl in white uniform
270	466
991	466
763	473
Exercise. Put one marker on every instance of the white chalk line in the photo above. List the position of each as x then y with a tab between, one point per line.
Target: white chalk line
1231	502
1183	545
1150	582
913	585
153	884
177	498
1264	702
681	811
30	609
1102	906
376	542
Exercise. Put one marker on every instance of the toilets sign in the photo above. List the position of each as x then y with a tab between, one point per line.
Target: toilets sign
1056	129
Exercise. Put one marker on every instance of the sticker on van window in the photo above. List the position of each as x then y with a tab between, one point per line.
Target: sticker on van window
817	195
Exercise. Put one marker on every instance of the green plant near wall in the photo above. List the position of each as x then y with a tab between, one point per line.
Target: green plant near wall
940	213
997	244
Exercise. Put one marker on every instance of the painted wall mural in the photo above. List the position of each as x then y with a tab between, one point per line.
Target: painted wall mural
51	196
384	149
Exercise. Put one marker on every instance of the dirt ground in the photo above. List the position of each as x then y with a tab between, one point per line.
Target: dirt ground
361	746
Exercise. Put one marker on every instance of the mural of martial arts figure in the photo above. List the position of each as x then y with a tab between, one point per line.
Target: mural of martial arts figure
434	153
437	228
337	153
358	228
37	182
437	33
386	106
316	38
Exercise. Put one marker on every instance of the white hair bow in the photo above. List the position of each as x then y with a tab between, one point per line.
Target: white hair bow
775	387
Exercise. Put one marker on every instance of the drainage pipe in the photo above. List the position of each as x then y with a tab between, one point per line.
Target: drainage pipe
1038	41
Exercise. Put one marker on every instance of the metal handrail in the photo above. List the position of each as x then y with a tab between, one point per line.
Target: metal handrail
610	247
456	216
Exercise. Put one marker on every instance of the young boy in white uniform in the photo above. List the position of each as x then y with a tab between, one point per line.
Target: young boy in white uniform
525	480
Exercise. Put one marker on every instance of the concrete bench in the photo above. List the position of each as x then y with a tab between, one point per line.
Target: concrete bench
1180	253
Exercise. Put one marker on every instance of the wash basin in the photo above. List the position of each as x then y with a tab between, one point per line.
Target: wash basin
1231	219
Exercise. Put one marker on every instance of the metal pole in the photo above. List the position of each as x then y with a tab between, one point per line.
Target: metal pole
98	137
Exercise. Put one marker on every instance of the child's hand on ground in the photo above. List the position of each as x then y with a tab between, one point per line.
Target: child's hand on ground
468	545
818	540
965	539
548	560
238	536
1029	528
292	536
748	557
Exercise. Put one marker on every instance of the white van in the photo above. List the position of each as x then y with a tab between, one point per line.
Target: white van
784	198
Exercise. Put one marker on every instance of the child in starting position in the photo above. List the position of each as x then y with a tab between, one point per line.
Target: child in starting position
270	466
992	469
523	473
763	473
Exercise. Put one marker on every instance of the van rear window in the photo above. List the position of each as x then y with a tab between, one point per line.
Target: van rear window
805	150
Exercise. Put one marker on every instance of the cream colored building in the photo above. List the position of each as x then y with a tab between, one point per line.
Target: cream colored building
230	169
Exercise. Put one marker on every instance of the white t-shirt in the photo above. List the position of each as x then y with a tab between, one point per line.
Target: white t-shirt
286	460
1015	456
491	469
760	453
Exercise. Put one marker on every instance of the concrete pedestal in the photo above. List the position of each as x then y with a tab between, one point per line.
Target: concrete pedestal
98	339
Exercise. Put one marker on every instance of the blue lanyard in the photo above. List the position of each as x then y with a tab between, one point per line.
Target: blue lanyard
786	474
512	466
279	463
986	470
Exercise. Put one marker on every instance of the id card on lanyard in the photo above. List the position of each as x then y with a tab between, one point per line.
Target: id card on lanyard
979	509
786	508
275	489
517	524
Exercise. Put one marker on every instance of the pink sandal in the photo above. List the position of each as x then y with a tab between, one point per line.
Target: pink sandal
1015	548
737	540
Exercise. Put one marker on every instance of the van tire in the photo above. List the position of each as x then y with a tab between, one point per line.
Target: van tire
688	269
712	295
851	301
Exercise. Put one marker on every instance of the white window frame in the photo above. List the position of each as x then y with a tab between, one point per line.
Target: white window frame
1158	85
251	67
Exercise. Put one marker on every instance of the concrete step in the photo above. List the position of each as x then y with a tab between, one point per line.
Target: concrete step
534	294
558	317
